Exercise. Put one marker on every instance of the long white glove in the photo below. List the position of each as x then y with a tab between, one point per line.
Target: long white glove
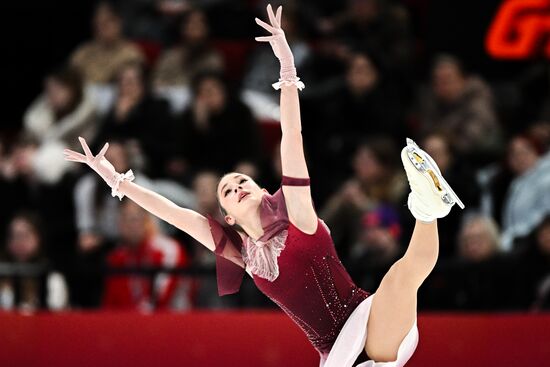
281	49
101	165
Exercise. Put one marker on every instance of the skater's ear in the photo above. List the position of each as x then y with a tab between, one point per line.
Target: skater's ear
229	219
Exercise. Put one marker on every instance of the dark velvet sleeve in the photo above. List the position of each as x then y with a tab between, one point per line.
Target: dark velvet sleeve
229	262
293	181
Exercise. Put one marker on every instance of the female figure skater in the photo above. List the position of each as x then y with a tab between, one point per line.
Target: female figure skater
279	241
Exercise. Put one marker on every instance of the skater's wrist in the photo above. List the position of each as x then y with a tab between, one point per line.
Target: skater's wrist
116	189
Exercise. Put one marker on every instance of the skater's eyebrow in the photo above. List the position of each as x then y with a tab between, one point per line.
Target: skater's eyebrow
236	176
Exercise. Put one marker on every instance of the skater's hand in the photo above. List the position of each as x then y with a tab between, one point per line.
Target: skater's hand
277	40
99	163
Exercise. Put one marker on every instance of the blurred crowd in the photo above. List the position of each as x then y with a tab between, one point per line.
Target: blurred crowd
180	108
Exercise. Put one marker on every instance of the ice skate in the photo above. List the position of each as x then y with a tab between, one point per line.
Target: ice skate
431	196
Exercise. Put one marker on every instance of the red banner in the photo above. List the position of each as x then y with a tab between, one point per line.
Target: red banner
258	339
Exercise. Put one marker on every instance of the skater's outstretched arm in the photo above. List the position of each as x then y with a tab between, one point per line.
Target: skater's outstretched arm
298	198
186	220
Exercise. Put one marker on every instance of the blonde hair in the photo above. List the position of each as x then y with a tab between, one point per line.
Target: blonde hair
490	228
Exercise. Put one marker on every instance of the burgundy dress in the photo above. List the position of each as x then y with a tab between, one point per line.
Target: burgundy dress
301	273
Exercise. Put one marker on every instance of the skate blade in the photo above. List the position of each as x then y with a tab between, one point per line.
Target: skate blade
424	165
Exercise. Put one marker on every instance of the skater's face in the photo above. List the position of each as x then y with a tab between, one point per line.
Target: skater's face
239	196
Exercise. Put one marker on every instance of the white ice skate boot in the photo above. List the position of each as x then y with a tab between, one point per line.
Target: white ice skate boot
431	197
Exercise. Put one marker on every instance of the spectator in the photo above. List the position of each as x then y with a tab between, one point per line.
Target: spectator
101	59
55	119
139	117
23	188
30	292
204	185
523	154
366	105
63	111
496	178
96	221
482	277
96	211
527	201
458	174
154	21
479	239
142	246
462	106
193	54
151	20
377	25
214	118
540	131
377	181
16	163
377	246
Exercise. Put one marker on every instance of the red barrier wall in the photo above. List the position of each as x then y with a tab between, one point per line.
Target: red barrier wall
259	339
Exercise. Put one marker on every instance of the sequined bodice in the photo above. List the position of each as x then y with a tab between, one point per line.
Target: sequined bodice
301	273
313	287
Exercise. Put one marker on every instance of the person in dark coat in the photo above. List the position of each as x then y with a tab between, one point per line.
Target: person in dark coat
216	132
138	116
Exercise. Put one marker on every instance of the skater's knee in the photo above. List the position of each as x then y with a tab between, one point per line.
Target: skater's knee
398	276
406	274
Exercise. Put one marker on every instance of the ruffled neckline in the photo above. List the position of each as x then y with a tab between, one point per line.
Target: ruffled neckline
260	256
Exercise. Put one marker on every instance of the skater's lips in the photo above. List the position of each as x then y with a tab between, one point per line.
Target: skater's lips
243	194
